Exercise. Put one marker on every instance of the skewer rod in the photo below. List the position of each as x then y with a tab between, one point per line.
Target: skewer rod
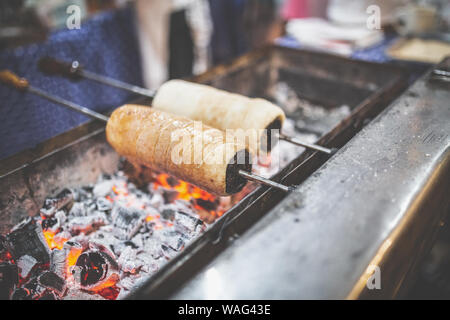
68	104
307	145
267	182
14	81
53	66
117	83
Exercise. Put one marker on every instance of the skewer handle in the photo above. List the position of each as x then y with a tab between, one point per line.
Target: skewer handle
75	71
53	67
11	79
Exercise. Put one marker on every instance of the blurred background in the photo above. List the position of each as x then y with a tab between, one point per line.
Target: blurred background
146	42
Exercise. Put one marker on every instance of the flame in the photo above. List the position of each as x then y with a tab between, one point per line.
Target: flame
52	241
186	191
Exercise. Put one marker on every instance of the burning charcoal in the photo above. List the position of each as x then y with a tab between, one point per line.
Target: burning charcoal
102	189
153	247
206	204
127	221
87	224
174	242
73	294
79	209
54	223
127	261
27	239
138	240
51	205
168	214
185	223
95	270
62	260
9	278
157	200
148	262
170	195
53	282
103	204
4	254
48	295
26	263
21	294
132	281
103	238
32	290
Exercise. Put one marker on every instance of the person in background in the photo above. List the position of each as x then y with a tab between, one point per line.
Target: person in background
243	25
174	38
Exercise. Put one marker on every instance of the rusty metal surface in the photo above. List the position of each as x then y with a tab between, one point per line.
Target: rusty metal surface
378	200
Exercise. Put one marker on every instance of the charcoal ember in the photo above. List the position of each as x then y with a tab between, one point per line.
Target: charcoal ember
104	238
95	270
103	188
104	248
186	223
170	195
127	221
138	240
53	282
74	294
157	200
27	238
4	253
80	194
26	264
32	290
52	205
183	205
132	281
103	204
149	264
55	222
61	260
9	279
153	247
49	295
87	224
168	214
21	294
82	239
79	209
206	204
128	262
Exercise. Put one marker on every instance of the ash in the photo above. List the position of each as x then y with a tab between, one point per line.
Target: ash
99	241
310	117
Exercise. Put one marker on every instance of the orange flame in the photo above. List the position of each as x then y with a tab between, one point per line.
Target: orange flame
52	241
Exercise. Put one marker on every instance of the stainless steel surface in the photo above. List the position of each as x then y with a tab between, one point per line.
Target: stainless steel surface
321	238
253	177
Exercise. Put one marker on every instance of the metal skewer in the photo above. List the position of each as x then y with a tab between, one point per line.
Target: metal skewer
22	84
75	71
